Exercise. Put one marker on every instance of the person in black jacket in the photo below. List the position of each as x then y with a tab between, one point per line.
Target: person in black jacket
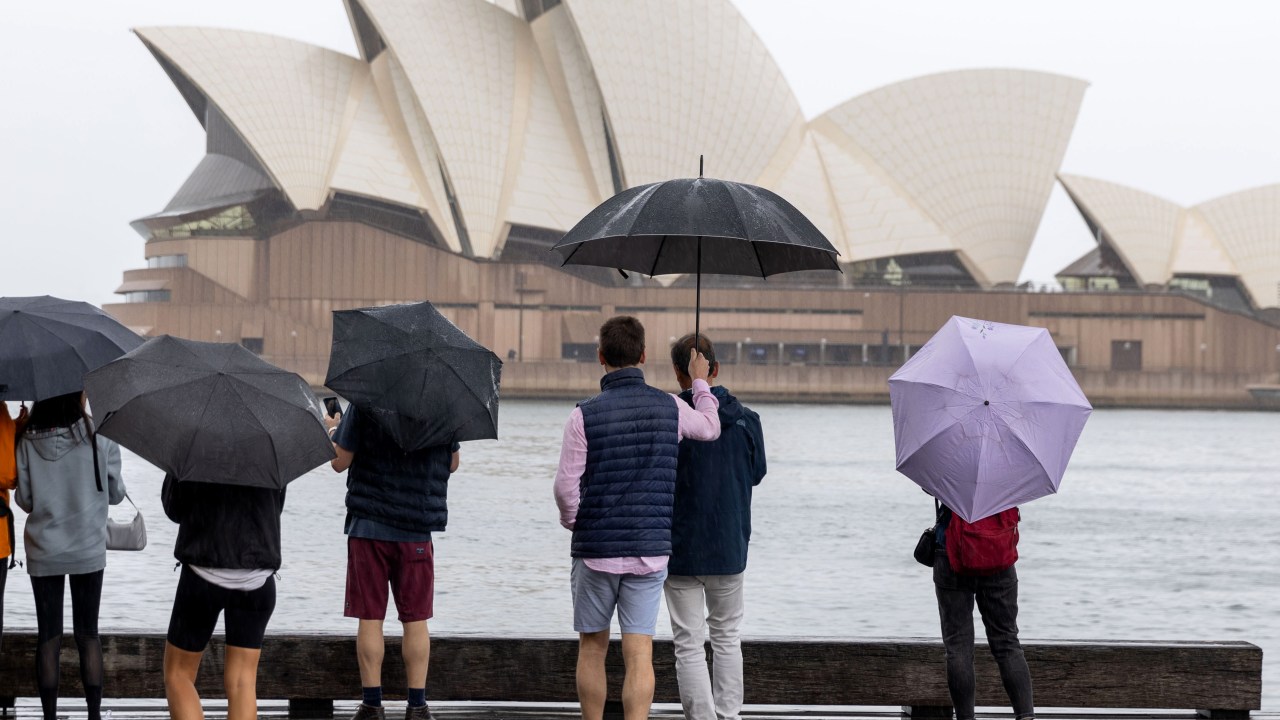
229	547
710	529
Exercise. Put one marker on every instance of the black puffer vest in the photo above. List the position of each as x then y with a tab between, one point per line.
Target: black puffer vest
406	490
633	442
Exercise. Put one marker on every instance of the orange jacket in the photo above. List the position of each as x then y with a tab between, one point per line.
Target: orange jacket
8	474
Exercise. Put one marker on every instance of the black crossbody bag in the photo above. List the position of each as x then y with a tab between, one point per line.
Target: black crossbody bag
926	546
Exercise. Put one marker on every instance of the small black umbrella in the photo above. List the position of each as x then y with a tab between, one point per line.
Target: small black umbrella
47	345
420	377
697	225
210	412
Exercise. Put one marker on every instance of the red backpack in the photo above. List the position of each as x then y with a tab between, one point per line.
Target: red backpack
985	547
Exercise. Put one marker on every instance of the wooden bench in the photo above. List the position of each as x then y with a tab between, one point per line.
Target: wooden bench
1219	679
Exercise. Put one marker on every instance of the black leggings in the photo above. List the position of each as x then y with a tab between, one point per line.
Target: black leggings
86	595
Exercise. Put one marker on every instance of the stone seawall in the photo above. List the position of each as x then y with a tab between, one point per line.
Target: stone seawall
870	384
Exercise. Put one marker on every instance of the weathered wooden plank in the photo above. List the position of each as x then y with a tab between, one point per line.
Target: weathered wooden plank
891	672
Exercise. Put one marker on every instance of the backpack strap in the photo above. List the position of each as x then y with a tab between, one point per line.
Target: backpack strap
93	442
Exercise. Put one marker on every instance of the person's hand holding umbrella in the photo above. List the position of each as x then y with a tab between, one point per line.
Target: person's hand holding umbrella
699	367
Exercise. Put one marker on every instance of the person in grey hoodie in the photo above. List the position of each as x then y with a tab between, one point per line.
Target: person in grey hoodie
66	478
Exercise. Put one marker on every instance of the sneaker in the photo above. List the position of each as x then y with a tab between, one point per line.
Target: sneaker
421	712
369	712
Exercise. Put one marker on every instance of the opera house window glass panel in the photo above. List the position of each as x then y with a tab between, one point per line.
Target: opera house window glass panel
166	261
396	219
235	220
534	8
147	296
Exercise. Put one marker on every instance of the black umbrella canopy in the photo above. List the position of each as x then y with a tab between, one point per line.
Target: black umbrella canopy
420	377
210	412
47	345
698	225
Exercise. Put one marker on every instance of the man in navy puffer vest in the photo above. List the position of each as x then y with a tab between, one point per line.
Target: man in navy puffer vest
615	489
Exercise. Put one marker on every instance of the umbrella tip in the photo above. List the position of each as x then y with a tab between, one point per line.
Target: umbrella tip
699	166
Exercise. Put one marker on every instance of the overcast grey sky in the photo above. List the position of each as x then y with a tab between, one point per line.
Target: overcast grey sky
1182	102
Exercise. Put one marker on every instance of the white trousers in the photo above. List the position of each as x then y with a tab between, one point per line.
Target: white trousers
698	604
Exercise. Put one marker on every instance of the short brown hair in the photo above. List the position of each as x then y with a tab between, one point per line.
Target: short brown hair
682	352
622	341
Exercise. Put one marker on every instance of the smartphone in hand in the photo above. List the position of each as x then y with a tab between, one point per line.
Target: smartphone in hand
331	406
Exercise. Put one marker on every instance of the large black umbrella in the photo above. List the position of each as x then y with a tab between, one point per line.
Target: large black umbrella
420	377
210	412
47	345
698	225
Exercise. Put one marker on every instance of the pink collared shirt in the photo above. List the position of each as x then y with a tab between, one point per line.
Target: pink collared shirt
701	422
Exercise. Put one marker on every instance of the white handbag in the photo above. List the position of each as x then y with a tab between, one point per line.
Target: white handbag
127	535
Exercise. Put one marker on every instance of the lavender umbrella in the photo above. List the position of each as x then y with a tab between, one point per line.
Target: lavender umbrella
985	416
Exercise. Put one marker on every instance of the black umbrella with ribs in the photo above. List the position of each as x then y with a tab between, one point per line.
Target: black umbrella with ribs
210	412
47	344
424	381
698	225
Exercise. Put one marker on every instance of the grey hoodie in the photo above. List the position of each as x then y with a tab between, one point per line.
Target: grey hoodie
66	531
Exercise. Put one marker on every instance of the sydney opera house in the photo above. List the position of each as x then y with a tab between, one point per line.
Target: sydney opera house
468	136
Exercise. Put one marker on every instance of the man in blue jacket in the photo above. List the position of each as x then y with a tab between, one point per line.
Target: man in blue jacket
711	525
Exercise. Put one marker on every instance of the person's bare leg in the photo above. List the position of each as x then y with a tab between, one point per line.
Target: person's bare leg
416	649
369	652
180	668
240	677
592	682
637	689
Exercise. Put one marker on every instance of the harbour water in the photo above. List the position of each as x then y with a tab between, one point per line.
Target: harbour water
1165	529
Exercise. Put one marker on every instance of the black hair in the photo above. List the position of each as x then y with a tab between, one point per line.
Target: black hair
56	412
682	352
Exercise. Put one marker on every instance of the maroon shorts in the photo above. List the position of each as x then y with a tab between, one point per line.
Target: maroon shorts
408	567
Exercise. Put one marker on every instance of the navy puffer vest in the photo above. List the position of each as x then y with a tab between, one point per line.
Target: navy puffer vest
406	490
628	487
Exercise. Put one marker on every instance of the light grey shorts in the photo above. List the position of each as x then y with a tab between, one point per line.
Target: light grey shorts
596	594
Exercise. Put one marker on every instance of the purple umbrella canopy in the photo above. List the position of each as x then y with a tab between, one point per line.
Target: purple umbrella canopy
986	415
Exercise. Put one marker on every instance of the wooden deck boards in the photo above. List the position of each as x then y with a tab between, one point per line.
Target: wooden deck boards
72	709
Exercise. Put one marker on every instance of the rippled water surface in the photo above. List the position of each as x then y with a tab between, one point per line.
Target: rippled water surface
1166	529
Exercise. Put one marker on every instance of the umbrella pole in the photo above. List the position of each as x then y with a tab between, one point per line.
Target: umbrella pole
697	301
697	298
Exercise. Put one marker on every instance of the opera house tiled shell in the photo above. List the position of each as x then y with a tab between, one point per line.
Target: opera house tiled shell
1226	249
488	129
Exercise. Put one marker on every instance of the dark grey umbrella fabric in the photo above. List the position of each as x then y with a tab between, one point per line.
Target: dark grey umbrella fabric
657	229
210	412
420	377
47	345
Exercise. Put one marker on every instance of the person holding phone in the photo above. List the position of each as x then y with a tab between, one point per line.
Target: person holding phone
395	501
